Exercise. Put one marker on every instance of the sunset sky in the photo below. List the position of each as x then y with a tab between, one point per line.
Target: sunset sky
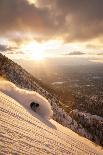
50	28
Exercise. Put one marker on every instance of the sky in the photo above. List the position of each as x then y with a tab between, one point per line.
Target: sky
50	28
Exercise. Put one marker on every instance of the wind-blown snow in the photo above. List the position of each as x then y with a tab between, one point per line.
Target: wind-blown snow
25	97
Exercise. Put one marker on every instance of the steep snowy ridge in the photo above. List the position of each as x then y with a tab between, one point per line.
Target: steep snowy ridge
24	132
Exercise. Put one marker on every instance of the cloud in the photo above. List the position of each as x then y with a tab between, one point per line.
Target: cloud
75	53
100	53
96	46
70	20
21	16
3	48
97	60
14	51
77	20
9	49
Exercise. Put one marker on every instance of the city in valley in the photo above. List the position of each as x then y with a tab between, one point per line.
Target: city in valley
76	85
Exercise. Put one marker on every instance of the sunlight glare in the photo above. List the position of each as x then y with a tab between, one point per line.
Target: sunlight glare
32	1
39	51
33	49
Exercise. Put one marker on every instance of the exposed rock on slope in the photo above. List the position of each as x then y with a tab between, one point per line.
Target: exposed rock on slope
93	123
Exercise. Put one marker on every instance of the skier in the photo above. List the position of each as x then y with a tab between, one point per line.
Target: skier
34	106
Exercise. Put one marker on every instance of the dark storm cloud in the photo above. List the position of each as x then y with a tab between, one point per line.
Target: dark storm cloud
77	19
84	18
73	20
19	15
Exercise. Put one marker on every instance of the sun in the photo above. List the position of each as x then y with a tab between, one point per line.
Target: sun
37	56
34	50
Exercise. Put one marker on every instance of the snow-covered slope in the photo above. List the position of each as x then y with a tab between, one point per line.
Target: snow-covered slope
24	132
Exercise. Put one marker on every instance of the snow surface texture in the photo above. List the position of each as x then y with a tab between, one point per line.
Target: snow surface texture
25	97
22	133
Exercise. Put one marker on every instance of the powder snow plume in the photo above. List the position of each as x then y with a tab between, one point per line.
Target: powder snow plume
25	97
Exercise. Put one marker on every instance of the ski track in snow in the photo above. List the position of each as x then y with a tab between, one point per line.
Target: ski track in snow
25	132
